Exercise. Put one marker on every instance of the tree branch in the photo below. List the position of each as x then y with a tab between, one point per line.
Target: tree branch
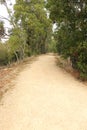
2	17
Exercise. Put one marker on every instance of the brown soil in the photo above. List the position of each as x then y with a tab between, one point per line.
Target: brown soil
9	73
66	65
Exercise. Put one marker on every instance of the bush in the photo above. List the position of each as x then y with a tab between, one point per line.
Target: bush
82	60
52	46
3	55
79	59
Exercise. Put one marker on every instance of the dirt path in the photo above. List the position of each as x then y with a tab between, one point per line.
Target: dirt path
44	98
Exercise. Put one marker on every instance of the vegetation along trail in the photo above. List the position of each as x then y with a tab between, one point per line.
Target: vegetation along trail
45	97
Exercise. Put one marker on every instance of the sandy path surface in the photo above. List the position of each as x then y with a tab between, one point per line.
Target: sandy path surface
44	98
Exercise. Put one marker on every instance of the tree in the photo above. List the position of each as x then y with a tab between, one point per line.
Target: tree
31	29
31	16
17	44
11	18
2	30
71	34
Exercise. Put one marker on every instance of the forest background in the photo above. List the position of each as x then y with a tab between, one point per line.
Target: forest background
31	33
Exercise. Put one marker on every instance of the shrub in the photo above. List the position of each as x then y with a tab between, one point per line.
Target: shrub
3	55
82	59
79	59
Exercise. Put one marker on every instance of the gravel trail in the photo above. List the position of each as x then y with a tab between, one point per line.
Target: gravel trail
44	97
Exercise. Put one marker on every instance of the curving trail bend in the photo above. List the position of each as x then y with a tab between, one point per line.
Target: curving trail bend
44	97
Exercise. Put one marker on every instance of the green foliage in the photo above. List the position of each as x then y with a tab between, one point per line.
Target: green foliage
71	35
32	17
31	29
82	59
52	46
3	55
2	30
17	44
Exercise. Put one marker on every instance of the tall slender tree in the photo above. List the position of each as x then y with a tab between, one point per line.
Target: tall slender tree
32	17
